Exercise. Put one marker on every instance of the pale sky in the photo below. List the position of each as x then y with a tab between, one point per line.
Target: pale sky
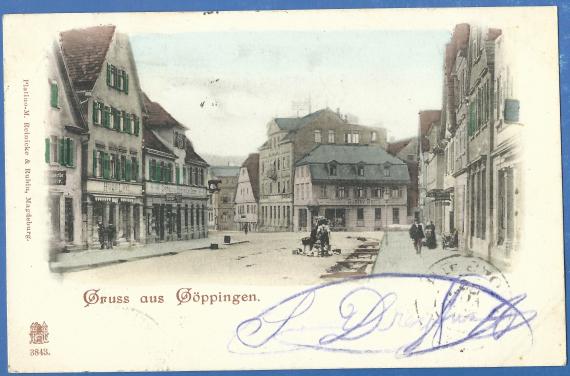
244	79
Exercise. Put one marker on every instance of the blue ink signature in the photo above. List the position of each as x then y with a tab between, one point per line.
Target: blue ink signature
306	320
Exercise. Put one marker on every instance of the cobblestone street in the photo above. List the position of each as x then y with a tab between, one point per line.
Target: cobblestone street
266	259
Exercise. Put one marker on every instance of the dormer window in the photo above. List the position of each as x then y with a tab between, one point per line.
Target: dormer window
332	169
360	170
386	170
318	136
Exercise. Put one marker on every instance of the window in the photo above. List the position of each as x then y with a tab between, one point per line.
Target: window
348	138
356	138
318	139
54	94
341	192
378	192
386	170
59	150
152	169
360	192
177	173
107	117
378	214
323	191
360	169
123	167
331	137
113	166
395	215
373	136
332	169
136	124
117	78
97	112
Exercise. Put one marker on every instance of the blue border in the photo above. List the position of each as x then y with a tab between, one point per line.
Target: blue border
74	6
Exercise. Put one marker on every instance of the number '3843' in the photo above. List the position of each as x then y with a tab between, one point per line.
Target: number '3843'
39	352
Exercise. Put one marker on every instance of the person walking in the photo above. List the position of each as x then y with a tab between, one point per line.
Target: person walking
111	231
245	228
101	233
431	239
417	236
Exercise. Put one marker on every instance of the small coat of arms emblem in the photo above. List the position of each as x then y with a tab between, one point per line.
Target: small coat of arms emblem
39	333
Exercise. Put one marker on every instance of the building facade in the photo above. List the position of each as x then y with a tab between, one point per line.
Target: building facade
64	136
174	180
223	201
356	187
103	75
289	140
408	150
247	194
480	140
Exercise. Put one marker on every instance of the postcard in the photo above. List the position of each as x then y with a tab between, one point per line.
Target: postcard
283	190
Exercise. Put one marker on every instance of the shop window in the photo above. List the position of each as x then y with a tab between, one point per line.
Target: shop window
378	214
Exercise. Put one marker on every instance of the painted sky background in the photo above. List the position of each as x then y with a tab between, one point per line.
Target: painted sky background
244	79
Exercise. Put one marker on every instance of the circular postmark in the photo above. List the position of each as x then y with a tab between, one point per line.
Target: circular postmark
463	289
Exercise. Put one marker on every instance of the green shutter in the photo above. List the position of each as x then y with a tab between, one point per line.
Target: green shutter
183	175
177	175
47	151
67	152
54	95
135	169
94	114
94	162
108	74
123	170
117	167
127	170
158	172
137	126
105	157
126	83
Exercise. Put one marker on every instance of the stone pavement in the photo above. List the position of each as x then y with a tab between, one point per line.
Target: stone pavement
78	260
397	254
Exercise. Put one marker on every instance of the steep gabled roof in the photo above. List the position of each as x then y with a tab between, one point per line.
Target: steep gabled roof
252	166
191	155
397	146
427	119
157	116
84	52
151	141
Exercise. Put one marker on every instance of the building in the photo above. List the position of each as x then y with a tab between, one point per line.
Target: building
407	149
289	140
105	85
65	133
431	171
356	187
479	137
174	179
505	158
223	200
247	194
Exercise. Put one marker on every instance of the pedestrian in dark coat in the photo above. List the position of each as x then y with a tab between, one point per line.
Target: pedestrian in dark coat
111	231
417	236
431	240
101	232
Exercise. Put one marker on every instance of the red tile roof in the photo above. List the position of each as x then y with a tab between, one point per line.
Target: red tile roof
427	118
157	116
191	155
151	141
84	51
252	165
493	34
